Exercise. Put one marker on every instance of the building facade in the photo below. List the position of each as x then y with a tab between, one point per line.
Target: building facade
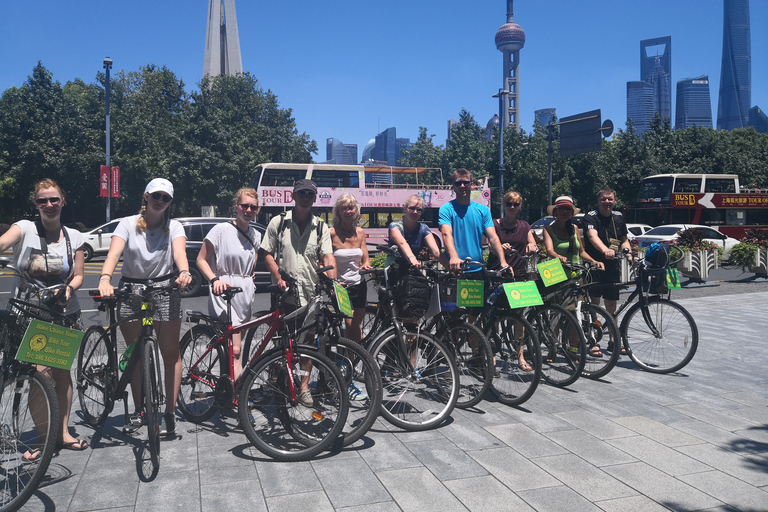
694	107
544	116
735	96
336	152
656	73
640	105
758	120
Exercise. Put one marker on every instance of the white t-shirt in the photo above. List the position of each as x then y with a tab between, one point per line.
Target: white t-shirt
147	254
45	269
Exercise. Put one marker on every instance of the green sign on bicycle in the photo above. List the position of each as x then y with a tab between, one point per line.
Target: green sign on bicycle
551	272
470	294
342	299
522	295
50	345
673	279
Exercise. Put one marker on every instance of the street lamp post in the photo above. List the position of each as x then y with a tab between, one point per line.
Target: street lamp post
108	66
501	95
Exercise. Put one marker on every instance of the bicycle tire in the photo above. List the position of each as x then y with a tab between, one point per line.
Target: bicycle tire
475	363
202	391
557	329
358	368
95	376
423	397
513	385
289	431
21	477
678	341
602	334
151	397
371	323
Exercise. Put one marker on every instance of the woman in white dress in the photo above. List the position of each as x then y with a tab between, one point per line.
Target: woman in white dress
227	258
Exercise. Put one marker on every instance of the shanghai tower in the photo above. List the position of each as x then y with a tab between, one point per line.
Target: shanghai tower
736	68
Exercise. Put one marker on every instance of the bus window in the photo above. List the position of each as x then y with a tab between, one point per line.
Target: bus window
712	217
655	190
336	179
735	217
720	185
688	185
681	216
365	221
281	177
757	217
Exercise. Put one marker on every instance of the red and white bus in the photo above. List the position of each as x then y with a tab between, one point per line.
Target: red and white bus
715	200
380	190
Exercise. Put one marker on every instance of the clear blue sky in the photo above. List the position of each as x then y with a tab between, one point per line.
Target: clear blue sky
351	68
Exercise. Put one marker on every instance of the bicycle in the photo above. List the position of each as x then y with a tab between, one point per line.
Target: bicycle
279	419
102	380
29	409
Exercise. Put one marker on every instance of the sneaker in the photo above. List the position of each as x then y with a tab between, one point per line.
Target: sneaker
305	398
355	393
135	421
168	424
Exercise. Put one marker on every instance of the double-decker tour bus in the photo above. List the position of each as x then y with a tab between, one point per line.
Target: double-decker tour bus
380	190
714	200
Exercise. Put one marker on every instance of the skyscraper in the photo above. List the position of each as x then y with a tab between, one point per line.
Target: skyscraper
758	120
336	152
736	69
544	115
510	38
655	73
694	107
640	105
222	42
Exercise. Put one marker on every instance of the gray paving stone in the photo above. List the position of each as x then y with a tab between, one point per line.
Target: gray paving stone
445	460
599	427
386	506
107	486
584	478
349	482
750	469
233	495
757	434
314	501
44	502
418	490
210	475
163	493
588	447
659	432
666	414
748	399
729	490
724	438
486	493
557	499
526	441
668	460
279	478
662	488
541	422
513	470
718	418
469	436
631	504
389	453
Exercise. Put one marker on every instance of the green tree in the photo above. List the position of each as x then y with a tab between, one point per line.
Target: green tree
424	153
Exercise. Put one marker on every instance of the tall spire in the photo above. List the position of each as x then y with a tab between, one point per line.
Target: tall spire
510	38
222	41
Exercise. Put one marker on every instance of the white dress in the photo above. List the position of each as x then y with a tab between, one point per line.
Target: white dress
232	261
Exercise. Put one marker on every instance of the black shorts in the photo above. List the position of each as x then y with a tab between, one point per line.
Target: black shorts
358	294
607	280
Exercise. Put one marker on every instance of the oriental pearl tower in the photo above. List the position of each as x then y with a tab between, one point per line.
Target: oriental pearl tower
510	38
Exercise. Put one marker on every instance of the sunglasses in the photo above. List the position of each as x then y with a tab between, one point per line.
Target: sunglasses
246	207
462	183
157	196
415	209
305	193
513	205
42	201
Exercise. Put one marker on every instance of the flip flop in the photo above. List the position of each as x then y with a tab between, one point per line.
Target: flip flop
76	446
595	352
32	455
525	366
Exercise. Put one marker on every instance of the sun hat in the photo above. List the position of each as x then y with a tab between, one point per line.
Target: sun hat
562	201
159	185
307	185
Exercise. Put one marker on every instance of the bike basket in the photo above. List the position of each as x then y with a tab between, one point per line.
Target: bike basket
412	296
20	313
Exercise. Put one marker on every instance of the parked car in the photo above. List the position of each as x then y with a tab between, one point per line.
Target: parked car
635	230
98	239
670	232
196	228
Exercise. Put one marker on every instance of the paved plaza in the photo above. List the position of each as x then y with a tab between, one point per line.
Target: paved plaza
634	441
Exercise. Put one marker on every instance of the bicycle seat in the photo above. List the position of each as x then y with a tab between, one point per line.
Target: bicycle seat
230	292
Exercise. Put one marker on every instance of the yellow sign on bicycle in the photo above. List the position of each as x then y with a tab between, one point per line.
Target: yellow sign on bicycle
50	345
522	295
342	299
551	272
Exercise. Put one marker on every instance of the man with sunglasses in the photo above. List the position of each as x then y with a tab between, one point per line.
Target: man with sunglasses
463	223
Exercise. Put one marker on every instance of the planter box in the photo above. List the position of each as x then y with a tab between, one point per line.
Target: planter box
697	264
761	262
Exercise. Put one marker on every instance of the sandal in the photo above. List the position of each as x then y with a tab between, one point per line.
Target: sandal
32	455
77	445
595	352
524	366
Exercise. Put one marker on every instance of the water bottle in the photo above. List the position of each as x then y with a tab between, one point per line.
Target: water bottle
492	298
126	356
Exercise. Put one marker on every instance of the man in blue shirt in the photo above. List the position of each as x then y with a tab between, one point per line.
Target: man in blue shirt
463	223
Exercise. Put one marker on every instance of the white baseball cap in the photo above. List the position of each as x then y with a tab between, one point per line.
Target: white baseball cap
159	185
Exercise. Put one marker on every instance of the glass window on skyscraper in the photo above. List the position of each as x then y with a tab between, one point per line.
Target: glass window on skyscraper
640	105
694	107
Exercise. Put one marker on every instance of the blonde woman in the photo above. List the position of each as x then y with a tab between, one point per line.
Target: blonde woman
411	236
150	244
227	258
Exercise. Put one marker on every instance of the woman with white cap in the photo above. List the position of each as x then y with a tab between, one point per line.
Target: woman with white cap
150	244
561	238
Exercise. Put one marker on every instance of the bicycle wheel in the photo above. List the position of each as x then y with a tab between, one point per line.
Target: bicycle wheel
95	376
282	427
371	324
603	340
30	423
150	390
514	384
663	341
562	344
474	358
203	373
361	373
420	380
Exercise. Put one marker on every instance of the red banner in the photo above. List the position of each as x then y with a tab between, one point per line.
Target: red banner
115	182
104	181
